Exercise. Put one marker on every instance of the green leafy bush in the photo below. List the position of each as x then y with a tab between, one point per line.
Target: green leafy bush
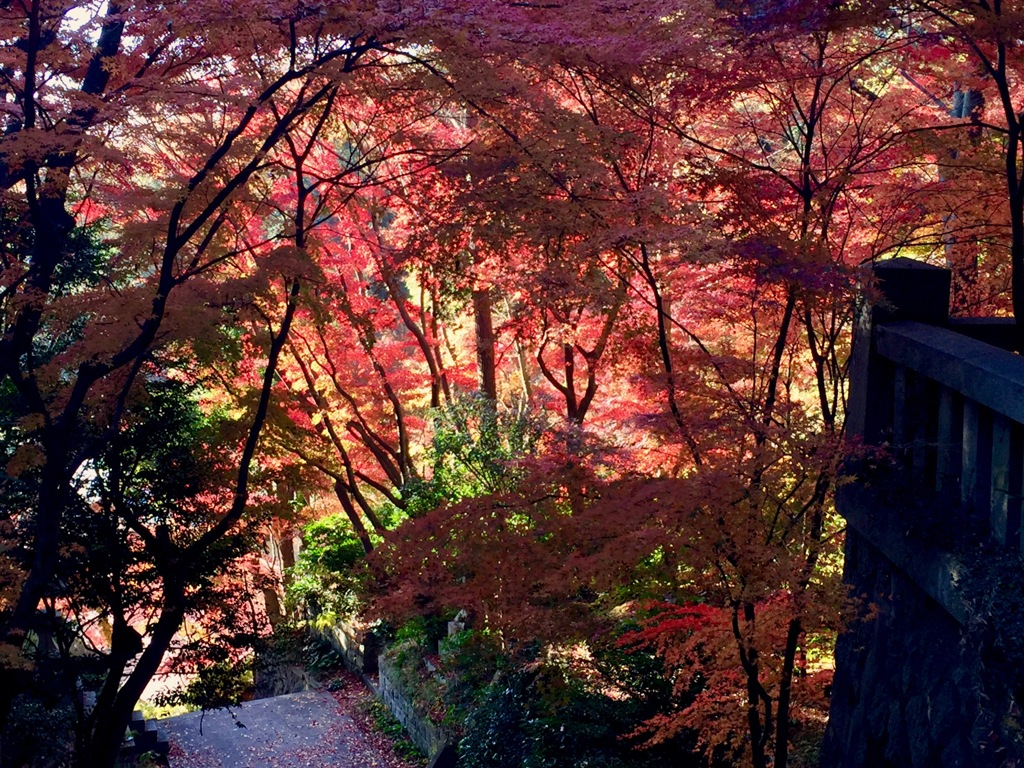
320	656
528	710
545	716
325	578
475	450
219	685
38	733
470	660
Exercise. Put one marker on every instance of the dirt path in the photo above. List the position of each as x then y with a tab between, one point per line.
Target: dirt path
313	729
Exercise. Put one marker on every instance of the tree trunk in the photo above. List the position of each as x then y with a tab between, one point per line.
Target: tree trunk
961	257
785	695
485	357
110	724
341	491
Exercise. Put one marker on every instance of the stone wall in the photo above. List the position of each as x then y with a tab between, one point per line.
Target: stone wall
357	647
364	654
422	732
922	681
906	690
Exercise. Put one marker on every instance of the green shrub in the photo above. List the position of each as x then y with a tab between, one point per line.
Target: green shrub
546	716
524	710
38	734
218	685
320	656
474	451
325	578
470	660
153	711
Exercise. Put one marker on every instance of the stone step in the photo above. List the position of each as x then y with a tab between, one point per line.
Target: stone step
138	722
147	736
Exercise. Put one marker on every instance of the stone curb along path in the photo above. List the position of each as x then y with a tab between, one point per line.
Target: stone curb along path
299	730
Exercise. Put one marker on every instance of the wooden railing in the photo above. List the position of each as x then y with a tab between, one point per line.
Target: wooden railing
950	406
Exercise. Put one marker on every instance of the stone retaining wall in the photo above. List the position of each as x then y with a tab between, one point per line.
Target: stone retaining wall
363	654
422	732
906	690
357	647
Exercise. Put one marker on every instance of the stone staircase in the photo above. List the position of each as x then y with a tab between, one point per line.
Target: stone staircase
147	737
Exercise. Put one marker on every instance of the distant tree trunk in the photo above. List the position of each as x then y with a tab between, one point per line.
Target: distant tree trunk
281	550
524	370
961	257
440	385
994	66
287	543
485	358
275	610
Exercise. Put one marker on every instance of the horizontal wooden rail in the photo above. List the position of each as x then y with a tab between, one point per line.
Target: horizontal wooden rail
988	375
953	408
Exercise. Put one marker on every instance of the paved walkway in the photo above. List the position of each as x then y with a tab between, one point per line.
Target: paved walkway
300	730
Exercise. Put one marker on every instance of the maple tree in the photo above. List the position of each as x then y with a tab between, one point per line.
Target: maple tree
161	125
170	128
701	215
379	240
967	61
739	266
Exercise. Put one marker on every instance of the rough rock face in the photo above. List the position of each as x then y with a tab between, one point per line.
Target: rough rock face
909	690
